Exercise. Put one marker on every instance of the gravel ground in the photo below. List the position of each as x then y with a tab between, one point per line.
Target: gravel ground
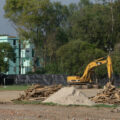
44	112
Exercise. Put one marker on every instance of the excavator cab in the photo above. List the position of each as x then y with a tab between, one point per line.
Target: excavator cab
86	77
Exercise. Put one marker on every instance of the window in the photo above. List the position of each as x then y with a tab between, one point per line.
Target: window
32	53
14	60
27	50
14	42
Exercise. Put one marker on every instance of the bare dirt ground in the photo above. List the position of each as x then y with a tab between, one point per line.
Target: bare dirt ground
44	112
7	96
11	111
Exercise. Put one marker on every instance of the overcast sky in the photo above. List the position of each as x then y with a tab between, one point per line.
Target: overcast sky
7	28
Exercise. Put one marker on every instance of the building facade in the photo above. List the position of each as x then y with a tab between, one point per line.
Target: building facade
27	55
24	57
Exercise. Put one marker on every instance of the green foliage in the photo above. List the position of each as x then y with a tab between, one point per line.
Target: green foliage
42	22
116	64
38	71
75	55
67	38
6	54
90	25
116	59
34	103
105	106
52	68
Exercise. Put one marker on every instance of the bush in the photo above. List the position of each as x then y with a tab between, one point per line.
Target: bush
38	71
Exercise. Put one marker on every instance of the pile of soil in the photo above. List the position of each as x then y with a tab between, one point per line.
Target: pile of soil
39	92
110	95
69	96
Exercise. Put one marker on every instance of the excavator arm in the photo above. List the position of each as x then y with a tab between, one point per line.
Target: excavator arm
109	68
86	77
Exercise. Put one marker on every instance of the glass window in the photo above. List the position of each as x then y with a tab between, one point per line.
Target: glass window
32	53
14	60
14	42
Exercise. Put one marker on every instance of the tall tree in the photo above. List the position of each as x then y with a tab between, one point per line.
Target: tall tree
96	24
41	22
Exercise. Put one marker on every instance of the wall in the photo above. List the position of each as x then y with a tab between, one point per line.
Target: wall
41	79
53	79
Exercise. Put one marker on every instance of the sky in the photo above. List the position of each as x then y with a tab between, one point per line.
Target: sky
6	27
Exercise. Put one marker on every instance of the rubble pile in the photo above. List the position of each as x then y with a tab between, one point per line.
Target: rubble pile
110	95
39	92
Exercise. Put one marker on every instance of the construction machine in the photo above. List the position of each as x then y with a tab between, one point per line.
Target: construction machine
86	77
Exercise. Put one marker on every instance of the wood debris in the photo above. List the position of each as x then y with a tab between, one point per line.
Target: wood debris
39	92
110	95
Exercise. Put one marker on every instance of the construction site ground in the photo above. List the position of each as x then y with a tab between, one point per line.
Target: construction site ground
45	112
11	111
7	96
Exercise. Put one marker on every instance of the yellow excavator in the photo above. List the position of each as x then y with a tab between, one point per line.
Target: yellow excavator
86	78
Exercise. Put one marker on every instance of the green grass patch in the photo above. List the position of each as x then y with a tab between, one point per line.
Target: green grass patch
34	102
50	103
14	88
27	102
105	106
54	104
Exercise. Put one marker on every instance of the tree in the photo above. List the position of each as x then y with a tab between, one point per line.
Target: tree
6	54
40	21
66	35
84	3
97	24
74	56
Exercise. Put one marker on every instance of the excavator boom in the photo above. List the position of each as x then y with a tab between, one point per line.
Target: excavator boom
109	68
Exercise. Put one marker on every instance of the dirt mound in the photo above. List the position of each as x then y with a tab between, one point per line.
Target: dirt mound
39	92
69	95
110	95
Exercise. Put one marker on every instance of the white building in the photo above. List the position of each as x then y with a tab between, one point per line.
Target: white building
24	55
